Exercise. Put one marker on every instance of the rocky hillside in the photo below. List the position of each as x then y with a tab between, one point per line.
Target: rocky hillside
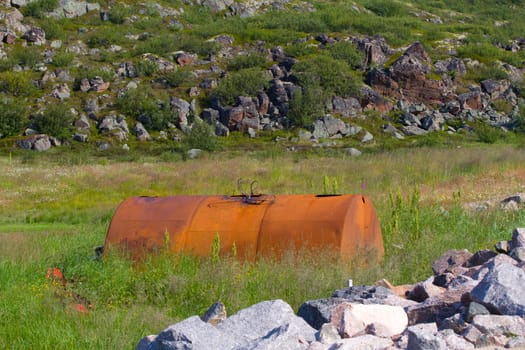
113	75
471	301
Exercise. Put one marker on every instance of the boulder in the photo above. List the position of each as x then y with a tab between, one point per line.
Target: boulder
454	341
346	107
518	237
80	137
424	337
184	59
449	260
141	133
424	290
452	65
353	319
318	312
500	325
376	50
363	342
35	36
495	88
268	319
328	334
501	290
181	109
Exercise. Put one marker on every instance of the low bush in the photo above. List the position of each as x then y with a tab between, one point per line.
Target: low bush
176	78
56	120
144	105
16	83
53	29
330	75
246	61
245	82
306	106
25	56
12	117
346	51
118	14
385	8
63	59
202	136
39	7
145	68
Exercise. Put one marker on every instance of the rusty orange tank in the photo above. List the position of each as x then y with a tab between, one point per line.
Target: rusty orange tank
257	225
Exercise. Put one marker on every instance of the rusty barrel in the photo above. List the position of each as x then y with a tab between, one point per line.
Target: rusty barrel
257	226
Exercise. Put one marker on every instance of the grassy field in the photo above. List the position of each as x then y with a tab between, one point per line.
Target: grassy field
54	211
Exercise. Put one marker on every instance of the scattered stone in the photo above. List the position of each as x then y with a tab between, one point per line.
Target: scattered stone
80	137
194	153
367	137
35	35
215	314
353	152
141	133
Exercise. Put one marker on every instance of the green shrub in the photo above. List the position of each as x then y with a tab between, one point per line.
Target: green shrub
486	71
26	56
306	106
346	51
39	7
12	117
175	78
118	14
146	68
385	8
202	136
54	30
63	59
56	120
330	75
16	83
487	133
246	61
245	82
143	105
301	49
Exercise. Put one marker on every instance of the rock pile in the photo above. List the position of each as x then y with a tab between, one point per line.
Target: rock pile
470	301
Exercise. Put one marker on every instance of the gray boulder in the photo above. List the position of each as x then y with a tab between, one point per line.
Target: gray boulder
268	319
35	35
318	312
363	342
424	337
501	290
518	238
141	133
193	333
500	325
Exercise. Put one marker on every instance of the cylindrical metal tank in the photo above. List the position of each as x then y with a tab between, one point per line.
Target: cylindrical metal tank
258	225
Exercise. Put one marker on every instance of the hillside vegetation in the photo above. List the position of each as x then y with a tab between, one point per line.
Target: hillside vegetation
128	72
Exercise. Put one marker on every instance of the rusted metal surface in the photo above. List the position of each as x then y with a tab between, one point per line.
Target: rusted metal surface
256	225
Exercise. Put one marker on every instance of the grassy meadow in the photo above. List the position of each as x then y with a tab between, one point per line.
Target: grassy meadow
55	209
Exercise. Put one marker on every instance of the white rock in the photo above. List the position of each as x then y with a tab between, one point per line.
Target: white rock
383	320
